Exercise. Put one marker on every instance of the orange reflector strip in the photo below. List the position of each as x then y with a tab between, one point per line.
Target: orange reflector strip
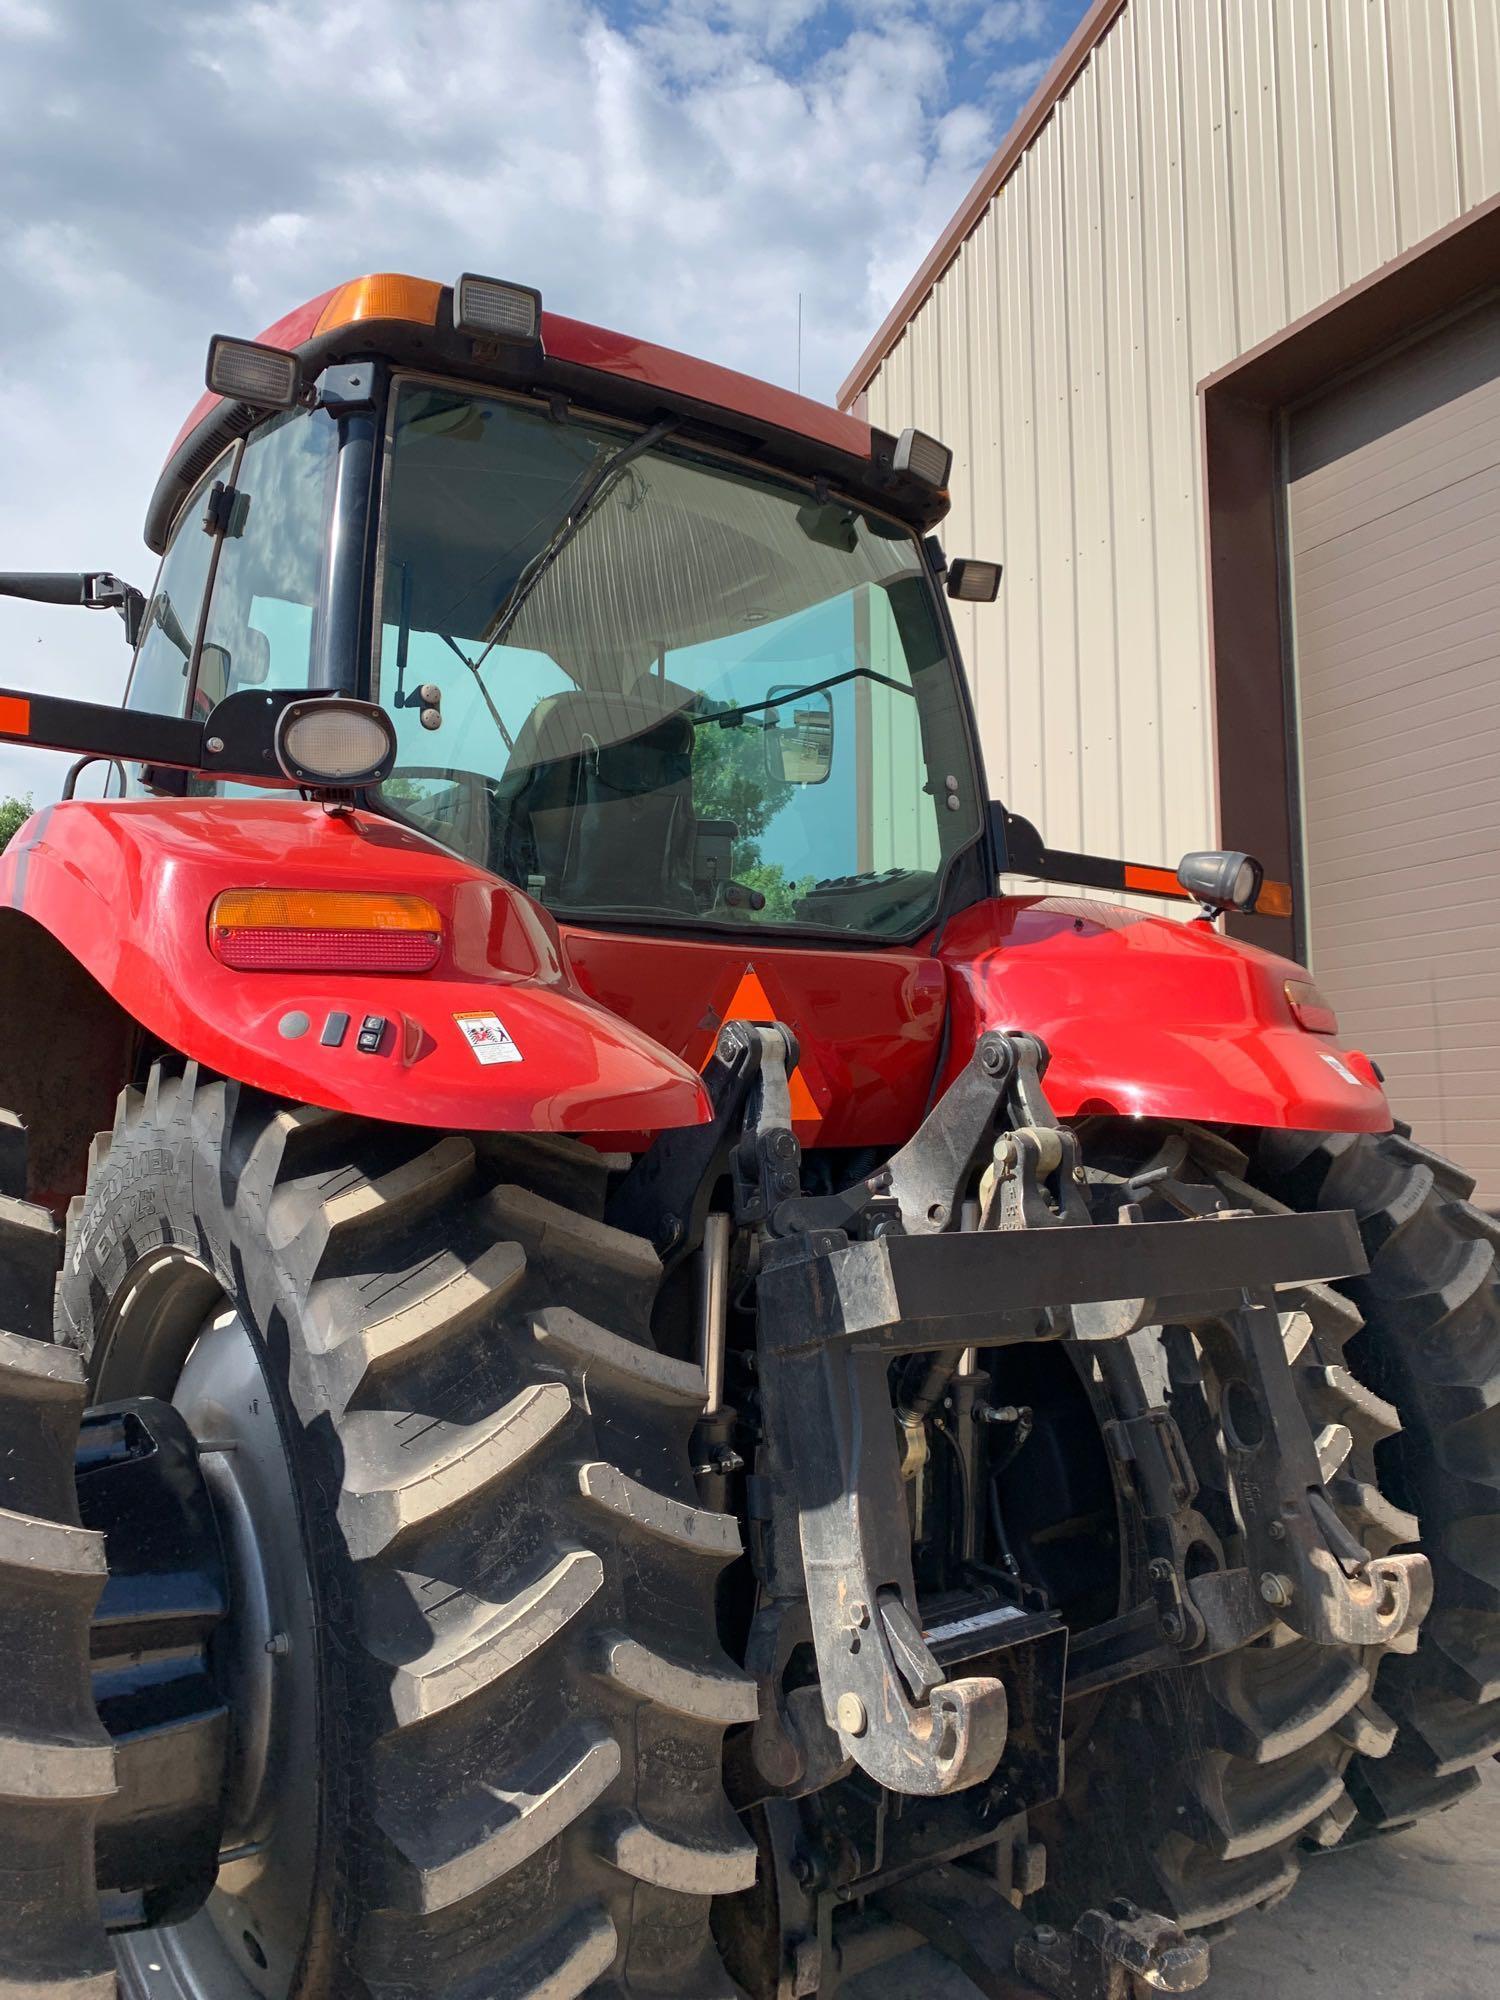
15	715
1274	900
1152	881
382	295
320	910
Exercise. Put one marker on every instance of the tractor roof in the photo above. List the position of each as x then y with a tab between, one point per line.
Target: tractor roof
410	319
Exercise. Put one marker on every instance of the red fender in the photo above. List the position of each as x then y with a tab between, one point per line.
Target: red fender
1150	1018
125	887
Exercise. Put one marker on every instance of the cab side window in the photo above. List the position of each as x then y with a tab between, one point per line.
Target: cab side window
159	678
259	630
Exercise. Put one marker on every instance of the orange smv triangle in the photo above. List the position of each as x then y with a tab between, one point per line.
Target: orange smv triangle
751	1002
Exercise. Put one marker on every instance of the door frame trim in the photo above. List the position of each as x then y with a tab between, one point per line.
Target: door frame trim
1241	408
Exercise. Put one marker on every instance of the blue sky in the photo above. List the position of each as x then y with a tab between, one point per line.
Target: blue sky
679	168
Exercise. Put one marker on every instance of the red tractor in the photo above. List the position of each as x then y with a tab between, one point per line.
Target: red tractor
618	1376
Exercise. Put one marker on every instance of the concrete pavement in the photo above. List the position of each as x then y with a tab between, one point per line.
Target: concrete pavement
1412	1917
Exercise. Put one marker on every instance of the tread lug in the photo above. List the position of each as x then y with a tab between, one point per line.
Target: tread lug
657	1514
404	1477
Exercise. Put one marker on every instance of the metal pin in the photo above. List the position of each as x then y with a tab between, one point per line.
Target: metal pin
245	1852
713	1308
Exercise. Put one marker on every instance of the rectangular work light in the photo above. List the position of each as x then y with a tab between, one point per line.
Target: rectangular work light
923	457
496	310
973	582
245	371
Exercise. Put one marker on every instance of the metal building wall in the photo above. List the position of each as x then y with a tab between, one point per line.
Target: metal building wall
1215	170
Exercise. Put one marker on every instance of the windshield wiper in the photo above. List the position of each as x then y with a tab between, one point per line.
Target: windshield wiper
595	489
725	716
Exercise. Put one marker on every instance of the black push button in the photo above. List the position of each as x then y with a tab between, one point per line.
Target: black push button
371	1031
334	1030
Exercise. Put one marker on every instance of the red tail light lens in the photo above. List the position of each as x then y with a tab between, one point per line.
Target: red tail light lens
319	930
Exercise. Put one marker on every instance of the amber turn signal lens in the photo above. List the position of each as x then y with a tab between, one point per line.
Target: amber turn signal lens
1309	1009
382	295
323	930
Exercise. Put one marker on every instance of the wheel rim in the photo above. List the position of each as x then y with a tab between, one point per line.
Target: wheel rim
247	1940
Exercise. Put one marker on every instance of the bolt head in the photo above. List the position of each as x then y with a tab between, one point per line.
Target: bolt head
1172	1626
1277	1531
1276	1589
851	1715
215	746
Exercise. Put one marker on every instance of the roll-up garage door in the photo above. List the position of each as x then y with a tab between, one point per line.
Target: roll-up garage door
1393	520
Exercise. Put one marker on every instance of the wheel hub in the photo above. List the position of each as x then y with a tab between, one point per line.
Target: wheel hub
204	1677
139	1482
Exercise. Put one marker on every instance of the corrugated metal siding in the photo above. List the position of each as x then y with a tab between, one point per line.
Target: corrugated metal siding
1393	514
1217	168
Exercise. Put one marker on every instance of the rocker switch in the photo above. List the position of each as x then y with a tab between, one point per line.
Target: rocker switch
334	1030
371	1033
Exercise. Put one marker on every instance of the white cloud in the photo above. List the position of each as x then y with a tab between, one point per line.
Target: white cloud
1012	21
1021	79
680	168
28	18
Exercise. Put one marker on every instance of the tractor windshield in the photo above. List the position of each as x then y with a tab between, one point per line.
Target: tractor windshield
644	683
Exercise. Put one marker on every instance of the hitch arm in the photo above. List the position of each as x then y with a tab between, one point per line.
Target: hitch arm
828	1414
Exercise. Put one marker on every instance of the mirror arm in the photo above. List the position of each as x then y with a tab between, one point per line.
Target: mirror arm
95	590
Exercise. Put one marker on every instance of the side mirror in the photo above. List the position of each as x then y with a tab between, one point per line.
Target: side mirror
95	590
799	735
218	669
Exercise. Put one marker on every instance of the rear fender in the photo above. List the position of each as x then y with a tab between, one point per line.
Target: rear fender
1146	1017
124	888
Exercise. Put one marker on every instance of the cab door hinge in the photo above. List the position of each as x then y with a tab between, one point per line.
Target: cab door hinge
226	510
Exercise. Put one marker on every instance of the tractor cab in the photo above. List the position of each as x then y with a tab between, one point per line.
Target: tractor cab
647	669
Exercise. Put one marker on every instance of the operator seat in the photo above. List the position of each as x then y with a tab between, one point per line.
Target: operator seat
597	799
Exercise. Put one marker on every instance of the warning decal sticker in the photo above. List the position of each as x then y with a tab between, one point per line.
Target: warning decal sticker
1341	1068
487	1037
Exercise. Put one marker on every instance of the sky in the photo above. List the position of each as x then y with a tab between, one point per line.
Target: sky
678	169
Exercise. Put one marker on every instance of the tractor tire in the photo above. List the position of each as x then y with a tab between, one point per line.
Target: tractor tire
56	1764
1199	1790
519	1698
1430	1346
